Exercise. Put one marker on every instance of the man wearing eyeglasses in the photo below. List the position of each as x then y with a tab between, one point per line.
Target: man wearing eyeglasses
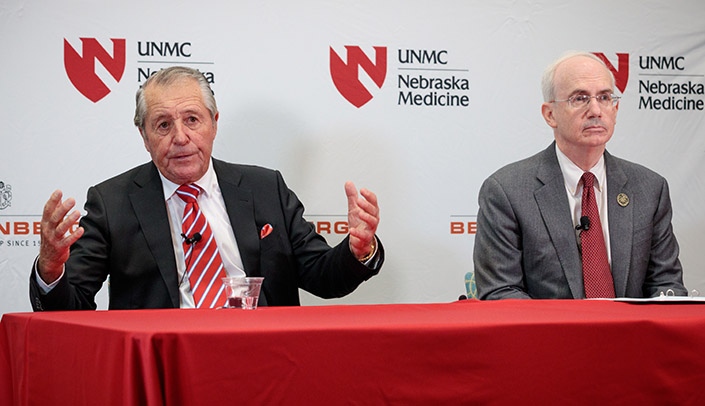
574	221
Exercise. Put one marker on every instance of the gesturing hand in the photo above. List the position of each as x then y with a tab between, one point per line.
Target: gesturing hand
363	218
56	236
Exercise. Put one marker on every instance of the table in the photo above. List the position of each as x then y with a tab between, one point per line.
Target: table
467	352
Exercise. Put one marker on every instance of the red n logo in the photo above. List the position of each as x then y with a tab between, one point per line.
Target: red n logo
81	69
621	75
345	75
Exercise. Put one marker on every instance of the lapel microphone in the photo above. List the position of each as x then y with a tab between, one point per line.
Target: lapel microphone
196	237
584	224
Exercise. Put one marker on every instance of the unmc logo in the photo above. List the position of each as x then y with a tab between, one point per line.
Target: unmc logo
81	69
345	75
621	75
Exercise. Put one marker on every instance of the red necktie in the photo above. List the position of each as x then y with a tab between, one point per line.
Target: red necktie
204	267
597	276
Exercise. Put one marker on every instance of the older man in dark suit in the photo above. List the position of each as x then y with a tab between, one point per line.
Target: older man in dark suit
136	230
542	233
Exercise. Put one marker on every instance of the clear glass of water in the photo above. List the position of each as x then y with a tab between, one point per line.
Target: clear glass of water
243	291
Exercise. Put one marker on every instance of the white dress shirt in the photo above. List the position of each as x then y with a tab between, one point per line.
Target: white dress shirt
574	188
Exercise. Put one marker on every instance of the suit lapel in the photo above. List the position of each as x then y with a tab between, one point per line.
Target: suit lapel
148	203
552	202
239	204
620	224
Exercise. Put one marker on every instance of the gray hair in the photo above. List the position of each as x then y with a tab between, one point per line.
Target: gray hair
169	76
548	80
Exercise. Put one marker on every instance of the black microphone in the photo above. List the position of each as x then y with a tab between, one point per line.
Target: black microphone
196	237
584	223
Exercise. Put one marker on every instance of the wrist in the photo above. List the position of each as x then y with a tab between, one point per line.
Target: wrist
373	250
46	274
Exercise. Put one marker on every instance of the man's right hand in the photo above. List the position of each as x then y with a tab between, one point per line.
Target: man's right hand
57	236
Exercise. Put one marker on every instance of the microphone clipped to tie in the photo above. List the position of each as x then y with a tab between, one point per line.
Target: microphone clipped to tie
196	237
584	223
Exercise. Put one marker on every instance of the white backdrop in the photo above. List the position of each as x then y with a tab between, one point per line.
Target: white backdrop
279	107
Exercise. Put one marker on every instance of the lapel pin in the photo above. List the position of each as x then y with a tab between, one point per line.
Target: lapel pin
622	199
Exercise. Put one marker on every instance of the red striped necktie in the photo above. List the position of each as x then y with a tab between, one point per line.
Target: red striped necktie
204	267
597	276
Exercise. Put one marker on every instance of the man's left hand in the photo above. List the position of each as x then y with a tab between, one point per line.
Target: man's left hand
363	218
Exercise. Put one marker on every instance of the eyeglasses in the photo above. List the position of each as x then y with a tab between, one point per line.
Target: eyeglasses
580	101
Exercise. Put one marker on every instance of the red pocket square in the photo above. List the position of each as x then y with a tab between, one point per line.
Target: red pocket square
266	230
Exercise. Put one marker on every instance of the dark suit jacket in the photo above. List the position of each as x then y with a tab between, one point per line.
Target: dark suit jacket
127	237
526	244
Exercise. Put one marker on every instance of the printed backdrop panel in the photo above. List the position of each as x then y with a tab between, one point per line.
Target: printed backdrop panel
417	101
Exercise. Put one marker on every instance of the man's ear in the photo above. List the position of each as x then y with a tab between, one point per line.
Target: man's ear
547	113
144	139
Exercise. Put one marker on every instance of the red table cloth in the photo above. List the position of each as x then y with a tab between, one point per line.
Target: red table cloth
468	352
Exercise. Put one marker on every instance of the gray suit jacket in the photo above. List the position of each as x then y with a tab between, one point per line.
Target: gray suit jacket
128	237
526	244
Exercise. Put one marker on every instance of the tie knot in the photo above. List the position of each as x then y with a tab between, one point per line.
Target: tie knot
188	193
588	179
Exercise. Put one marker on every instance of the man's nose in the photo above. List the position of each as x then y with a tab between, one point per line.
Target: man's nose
180	134
593	108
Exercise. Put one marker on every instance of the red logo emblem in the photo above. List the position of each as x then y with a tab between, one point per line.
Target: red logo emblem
621	74
345	75
81	69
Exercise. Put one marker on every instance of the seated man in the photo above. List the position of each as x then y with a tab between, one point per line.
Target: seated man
574	221
150	229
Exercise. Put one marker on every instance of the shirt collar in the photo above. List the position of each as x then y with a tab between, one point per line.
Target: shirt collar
207	183
572	173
